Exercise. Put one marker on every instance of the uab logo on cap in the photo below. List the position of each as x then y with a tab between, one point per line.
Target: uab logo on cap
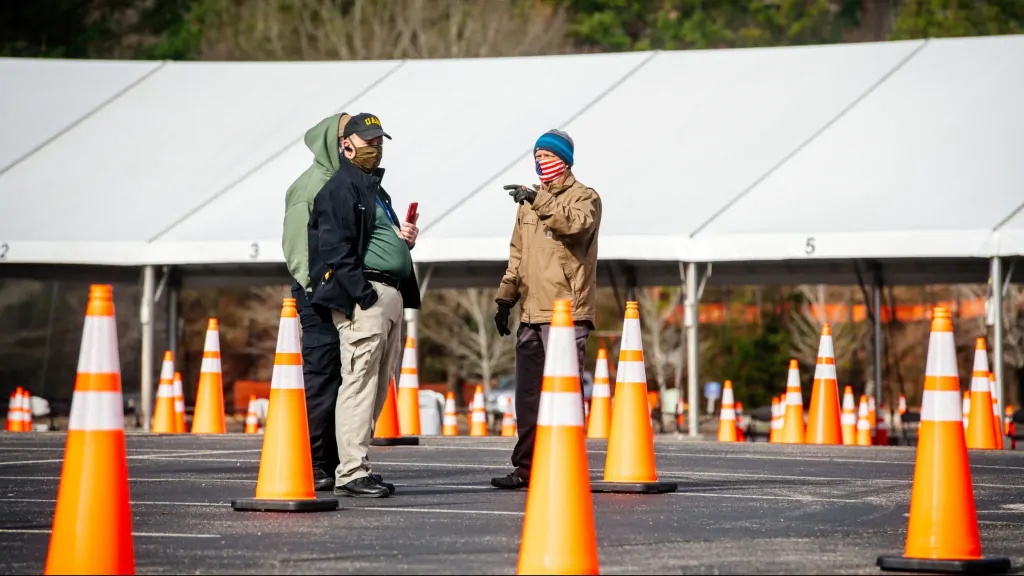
371	120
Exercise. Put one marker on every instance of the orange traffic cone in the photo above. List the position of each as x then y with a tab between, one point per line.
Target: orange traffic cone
741	436
629	464
773	435
179	404
682	408
863	423
849	418
902	406
409	392
92	523
727	415
387	431
823	417
285	481
942	534
996	428
793	426
164	420
1010	429
450	425
508	422
252	421
872	415
558	530
18	411
600	422
208	416
478	414
980	429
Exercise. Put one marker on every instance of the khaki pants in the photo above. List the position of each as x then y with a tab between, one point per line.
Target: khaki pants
370	345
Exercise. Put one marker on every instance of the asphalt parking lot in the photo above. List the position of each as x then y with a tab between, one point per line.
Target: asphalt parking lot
741	508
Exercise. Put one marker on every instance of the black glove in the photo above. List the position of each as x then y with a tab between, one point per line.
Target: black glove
501	319
519	193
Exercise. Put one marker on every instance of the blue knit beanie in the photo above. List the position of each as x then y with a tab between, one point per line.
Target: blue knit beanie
558	143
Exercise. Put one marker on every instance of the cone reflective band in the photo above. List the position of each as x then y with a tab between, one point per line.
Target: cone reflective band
508	422
823	417
997	428
208	416
629	462
179	404
965	410
793	425
388	430
164	419
599	424
450	425
981	433
558	528
92	522
727	415
252	423
285	481
942	533
409	392
902	405
477	414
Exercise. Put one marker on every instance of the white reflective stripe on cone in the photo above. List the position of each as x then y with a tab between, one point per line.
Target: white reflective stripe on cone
167	371
863	424
165	391
601	391
981	362
728	414
409	358
98	354
849	419
601	371
179	406
727	396
631	372
825	372
408	381
826	348
212	343
631	336
450	421
979	384
848	403
941	355
561	359
210	366
287	377
794	399
560	409
96	411
479	416
941	406
288	341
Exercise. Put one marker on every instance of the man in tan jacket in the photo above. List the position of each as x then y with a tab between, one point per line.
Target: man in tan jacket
552	256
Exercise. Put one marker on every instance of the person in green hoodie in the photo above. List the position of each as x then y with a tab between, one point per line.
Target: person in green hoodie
321	356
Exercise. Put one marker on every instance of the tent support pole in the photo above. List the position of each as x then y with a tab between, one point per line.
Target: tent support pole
691	319
146	319
879	391
997	337
173	302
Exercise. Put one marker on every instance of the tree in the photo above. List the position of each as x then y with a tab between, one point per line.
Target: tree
807	316
948	18
661	339
461	321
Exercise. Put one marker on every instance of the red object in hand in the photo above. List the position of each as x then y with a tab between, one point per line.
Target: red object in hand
412	215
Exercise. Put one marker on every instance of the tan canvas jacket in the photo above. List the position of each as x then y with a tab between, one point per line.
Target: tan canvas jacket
553	253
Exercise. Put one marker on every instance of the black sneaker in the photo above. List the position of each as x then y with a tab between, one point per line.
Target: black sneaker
363	487
380	480
322	481
511	482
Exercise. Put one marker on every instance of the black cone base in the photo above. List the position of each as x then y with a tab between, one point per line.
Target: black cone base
994	565
314	505
400	441
634	487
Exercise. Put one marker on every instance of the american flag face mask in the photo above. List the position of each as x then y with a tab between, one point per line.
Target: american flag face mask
549	170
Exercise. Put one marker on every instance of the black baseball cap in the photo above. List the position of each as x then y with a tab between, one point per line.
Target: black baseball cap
366	125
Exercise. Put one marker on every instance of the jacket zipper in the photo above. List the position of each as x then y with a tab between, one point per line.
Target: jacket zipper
362	228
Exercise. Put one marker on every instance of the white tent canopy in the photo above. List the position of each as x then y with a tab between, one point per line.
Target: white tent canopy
895	150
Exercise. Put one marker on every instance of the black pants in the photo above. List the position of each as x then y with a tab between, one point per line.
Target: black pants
530	340
321	373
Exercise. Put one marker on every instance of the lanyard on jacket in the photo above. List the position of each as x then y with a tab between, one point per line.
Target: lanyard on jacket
385	209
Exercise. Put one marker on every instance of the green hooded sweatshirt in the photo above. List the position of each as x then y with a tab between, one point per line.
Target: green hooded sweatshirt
322	141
